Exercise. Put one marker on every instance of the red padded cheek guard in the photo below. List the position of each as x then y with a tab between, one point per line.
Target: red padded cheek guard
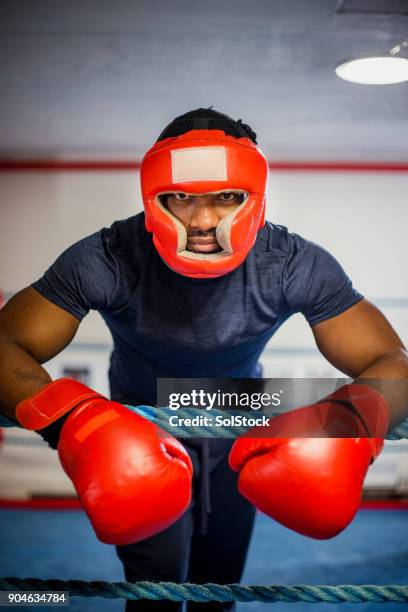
236	233
246	169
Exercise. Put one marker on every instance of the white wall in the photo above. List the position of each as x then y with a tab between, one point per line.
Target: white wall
362	218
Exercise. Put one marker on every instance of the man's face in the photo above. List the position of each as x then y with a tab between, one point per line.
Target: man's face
200	214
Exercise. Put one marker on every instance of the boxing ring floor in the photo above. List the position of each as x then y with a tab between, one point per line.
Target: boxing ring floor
60	544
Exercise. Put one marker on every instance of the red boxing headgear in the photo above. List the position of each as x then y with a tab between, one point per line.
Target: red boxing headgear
204	161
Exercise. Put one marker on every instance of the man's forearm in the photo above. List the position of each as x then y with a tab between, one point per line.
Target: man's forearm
389	375
20	376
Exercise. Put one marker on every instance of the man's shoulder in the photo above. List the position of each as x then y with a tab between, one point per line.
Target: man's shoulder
126	233
277	239
119	246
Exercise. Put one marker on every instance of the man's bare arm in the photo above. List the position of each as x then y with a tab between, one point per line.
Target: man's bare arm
32	331
361	343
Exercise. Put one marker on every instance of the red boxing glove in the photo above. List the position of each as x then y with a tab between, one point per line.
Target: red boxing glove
132	478
300	473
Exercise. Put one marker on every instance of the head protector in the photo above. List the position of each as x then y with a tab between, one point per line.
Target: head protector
196	162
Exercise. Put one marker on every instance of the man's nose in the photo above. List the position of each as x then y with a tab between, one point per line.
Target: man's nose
203	217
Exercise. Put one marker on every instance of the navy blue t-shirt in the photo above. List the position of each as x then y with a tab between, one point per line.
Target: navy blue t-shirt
167	325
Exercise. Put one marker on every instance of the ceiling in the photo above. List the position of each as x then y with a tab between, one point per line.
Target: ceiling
101	78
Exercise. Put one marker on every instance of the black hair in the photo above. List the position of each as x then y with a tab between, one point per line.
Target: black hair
207	119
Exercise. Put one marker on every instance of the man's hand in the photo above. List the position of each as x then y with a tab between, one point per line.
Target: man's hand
303	470
133	479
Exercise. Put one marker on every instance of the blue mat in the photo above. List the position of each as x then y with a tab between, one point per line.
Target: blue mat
374	549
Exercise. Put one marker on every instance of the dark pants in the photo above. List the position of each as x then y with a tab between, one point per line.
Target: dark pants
182	552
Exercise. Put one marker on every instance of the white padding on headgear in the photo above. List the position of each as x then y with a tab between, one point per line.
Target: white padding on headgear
223	234
199	164
223	231
182	239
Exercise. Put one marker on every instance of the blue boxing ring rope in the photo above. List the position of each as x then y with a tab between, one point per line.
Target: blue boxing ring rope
212	592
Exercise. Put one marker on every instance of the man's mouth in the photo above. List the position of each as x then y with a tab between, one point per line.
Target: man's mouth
203	245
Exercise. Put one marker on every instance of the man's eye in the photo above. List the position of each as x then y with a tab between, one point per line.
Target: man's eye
230	196
181	196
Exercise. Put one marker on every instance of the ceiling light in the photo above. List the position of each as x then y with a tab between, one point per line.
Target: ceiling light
376	69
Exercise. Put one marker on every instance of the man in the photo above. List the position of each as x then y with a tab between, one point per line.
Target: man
199	294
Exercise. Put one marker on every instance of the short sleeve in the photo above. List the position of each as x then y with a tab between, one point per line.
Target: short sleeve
83	278
315	284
